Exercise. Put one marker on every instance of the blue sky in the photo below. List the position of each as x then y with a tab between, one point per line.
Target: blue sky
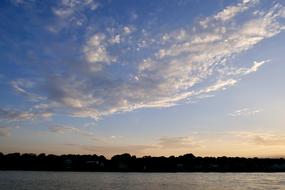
144	77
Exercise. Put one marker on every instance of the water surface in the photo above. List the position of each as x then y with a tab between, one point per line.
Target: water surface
21	180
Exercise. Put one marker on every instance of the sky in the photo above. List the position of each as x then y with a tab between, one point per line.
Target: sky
146	77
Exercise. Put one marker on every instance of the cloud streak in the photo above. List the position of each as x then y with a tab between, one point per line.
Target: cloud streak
176	143
162	146
121	70
64	129
262	139
245	112
17	115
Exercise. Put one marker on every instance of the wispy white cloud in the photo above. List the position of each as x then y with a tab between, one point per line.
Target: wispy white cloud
71	13
124	68
255	67
273	140
18	115
229	12
64	129
177	143
243	71
262	139
245	112
21	86
96	52
67	8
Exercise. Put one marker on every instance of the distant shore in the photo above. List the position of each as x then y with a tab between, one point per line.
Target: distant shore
128	163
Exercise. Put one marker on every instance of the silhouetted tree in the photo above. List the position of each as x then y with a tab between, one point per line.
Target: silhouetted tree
128	163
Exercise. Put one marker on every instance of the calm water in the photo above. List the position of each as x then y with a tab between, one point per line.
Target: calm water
137	181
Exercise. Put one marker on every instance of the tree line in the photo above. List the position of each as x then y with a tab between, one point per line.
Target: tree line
128	163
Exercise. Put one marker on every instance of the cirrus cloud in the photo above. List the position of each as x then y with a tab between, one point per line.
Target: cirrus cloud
115	75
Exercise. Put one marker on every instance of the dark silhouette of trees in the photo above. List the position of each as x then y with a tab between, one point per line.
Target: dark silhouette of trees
128	163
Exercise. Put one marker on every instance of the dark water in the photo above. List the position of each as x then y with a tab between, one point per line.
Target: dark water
136	181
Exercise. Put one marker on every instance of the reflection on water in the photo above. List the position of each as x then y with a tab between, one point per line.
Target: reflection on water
21	180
